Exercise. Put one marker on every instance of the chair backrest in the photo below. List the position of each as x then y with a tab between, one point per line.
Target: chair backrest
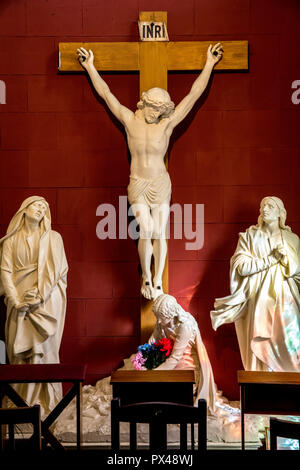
158	415
12	416
281	428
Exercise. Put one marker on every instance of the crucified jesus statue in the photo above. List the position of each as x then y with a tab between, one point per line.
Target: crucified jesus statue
148	133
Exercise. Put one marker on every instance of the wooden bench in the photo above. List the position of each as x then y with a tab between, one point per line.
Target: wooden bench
268	393
45	373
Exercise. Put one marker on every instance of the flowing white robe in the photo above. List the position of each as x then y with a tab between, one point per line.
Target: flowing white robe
264	302
35	269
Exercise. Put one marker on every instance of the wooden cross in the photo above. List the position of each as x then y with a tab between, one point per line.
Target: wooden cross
153	60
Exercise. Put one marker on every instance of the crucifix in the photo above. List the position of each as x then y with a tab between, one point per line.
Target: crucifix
152	60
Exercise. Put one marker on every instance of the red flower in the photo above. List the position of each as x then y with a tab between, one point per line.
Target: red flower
165	345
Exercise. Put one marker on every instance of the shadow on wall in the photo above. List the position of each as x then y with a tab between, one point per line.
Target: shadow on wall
183	126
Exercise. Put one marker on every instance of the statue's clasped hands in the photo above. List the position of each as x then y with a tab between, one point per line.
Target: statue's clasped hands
31	300
22	307
279	253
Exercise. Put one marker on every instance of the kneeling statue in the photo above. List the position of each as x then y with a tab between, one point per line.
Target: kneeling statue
188	352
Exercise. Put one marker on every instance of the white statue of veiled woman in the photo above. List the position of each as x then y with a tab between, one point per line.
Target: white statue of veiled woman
33	274
265	301
188	351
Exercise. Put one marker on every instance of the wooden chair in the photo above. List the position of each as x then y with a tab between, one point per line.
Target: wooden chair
158	415
286	429
12	416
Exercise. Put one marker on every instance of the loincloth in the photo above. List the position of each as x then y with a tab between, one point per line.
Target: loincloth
151	192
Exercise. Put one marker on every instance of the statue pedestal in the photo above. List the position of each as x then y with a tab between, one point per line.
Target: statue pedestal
134	386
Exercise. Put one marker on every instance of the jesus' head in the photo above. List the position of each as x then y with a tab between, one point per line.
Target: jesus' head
156	104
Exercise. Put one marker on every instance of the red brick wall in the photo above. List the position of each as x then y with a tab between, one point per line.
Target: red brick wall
57	140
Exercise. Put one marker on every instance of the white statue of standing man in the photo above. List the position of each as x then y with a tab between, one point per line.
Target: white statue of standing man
265	302
148	133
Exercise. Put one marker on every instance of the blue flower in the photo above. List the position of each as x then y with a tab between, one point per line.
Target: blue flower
145	347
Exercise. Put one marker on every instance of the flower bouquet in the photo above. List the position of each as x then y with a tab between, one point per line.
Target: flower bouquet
151	355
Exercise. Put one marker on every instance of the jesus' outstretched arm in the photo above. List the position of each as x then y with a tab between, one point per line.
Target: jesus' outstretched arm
214	54
86	59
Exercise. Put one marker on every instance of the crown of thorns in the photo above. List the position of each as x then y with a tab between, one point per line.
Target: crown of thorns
167	107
